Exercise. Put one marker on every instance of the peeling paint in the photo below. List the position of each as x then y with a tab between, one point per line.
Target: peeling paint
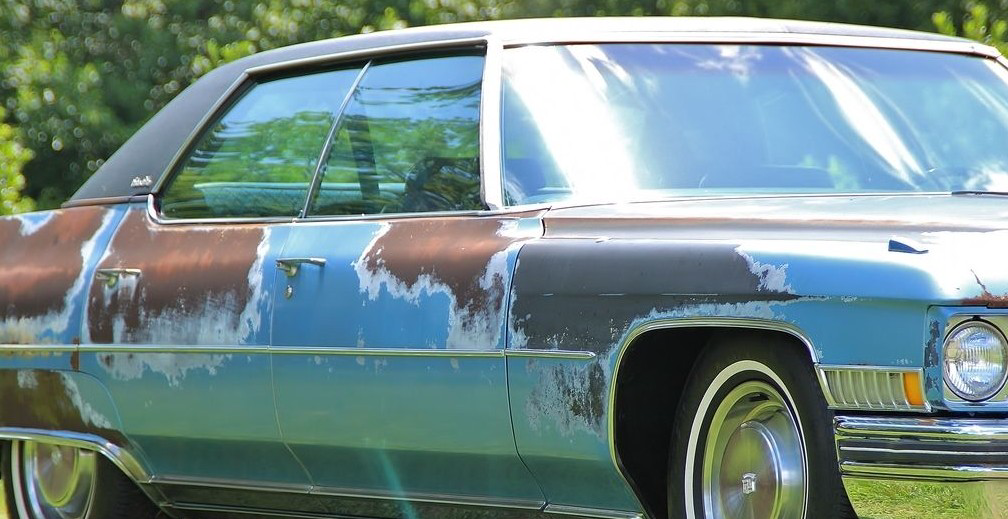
43	279
772	277
569	397
465	260
173	366
198	285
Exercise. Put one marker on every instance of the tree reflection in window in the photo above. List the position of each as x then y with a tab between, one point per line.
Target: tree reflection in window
259	158
408	141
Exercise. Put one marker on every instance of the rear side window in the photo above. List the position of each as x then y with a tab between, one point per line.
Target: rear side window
408	140
259	158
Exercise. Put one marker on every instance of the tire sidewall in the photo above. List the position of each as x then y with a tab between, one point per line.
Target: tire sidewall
722	367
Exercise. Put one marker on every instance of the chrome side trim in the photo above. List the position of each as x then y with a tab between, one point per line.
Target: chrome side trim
491	183
311	490
823	40
301	350
36	348
196	507
550	354
156	218
371	53
591	512
122	459
686	322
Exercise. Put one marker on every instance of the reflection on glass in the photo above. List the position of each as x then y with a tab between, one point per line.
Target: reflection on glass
649	121
259	158
408	141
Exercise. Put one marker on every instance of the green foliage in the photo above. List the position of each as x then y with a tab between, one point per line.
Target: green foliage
980	23
13	156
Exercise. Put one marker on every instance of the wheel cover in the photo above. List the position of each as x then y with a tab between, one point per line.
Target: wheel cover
754	460
52	481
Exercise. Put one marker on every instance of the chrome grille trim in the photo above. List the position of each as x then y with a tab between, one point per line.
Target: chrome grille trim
876	388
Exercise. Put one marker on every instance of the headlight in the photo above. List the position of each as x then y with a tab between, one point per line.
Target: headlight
974	360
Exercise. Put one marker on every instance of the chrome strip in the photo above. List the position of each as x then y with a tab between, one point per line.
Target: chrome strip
923	451
686	322
491	184
892	402
36	348
824	40
311	490
323	158
305	350
156	218
197	507
591	512
370	53
887	471
958	430
122	459
197	131
550	354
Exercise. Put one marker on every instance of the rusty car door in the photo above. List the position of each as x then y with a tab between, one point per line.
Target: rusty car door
178	317
388	338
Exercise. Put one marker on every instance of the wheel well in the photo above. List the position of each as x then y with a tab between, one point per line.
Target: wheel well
651	376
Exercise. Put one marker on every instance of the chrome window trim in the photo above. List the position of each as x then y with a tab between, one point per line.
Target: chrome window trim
685	322
208	117
491	159
754	38
316	180
122	459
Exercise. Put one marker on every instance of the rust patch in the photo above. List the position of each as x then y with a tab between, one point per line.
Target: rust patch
986	298
41	265
464	258
932	359
572	396
49	400
193	288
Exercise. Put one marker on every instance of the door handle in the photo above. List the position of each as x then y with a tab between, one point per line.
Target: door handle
111	276
291	265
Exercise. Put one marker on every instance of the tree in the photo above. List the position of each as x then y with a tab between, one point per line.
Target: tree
13	156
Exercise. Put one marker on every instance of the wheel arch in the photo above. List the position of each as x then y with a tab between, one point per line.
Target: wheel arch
649	374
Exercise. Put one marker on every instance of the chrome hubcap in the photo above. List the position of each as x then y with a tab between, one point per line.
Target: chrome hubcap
52	481
754	460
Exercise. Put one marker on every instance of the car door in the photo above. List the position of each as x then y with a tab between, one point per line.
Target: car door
179	312
388	336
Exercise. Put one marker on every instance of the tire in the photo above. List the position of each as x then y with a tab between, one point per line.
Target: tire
751	432
77	484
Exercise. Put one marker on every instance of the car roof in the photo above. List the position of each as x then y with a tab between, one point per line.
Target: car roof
151	150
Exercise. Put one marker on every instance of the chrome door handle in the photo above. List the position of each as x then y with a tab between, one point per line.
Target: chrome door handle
111	276
291	265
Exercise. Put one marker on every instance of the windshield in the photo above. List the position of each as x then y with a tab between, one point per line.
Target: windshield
647	121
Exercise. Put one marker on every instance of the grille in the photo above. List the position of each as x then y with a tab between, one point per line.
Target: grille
871	388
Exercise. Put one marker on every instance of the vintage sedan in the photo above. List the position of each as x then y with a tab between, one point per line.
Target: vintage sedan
607	268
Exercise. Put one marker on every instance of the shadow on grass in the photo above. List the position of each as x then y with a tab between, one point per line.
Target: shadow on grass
917	500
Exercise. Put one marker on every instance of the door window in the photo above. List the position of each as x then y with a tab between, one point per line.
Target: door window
408	141
260	157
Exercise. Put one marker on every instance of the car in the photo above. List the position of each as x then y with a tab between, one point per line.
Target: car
610	268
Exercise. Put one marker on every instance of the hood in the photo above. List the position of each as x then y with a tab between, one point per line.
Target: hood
946	249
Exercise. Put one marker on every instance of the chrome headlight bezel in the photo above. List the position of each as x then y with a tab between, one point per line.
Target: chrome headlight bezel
951	381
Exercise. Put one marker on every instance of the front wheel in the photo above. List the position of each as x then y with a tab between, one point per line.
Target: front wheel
752	432
48	481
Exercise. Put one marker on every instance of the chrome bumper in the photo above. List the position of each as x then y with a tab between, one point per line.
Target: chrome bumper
918	467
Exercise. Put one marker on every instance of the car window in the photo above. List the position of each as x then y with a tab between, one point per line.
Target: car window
408	141
259	158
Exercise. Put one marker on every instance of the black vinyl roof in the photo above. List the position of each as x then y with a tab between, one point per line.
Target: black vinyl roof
151	149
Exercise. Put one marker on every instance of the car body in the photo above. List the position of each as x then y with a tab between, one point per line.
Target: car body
333	280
